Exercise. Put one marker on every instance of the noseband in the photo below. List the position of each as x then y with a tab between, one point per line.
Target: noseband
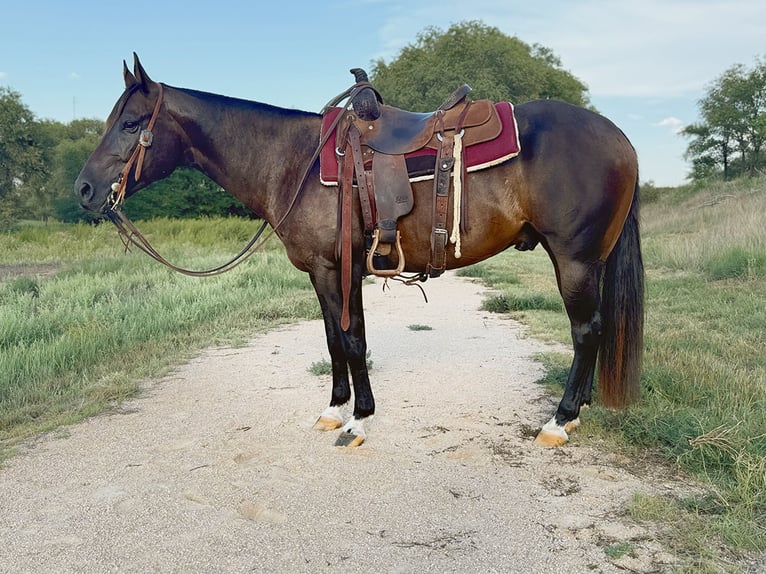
145	139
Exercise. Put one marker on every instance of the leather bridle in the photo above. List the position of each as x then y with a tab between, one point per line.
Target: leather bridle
145	139
130	235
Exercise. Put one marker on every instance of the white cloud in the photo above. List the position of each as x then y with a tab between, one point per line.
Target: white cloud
3	75
671	122
655	47
74	76
649	48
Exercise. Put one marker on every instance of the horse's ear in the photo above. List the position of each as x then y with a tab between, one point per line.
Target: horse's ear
141	76
130	79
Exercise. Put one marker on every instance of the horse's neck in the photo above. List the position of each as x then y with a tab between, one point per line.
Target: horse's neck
254	151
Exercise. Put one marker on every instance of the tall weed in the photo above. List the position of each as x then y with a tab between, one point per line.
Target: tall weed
717	232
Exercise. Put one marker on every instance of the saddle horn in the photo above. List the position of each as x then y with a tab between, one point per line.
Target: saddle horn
366	102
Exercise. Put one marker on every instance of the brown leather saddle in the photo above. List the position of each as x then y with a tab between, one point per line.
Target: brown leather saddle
372	141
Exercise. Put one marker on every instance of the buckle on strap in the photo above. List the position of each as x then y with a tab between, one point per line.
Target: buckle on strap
439	238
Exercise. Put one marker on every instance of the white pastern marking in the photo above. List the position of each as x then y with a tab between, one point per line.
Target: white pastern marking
552	427
334	412
355	427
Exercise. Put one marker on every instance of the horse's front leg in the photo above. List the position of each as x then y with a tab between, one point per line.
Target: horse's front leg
348	354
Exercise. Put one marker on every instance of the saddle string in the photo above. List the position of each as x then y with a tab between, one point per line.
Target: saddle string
129	233
412	281
457	180
458	192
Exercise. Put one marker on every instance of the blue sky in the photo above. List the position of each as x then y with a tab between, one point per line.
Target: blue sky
646	62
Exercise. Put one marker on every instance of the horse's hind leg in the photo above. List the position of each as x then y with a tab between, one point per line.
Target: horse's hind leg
348	352
579	286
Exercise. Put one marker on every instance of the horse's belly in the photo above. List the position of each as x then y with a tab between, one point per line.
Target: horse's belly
484	238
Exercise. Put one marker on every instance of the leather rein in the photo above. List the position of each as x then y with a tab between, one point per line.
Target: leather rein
130	235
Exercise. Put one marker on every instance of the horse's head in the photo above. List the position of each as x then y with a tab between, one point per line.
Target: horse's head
140	145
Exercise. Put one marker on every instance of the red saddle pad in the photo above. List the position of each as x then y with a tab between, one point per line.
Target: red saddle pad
420	164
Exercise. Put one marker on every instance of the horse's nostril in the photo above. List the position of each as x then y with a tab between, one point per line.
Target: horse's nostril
86	191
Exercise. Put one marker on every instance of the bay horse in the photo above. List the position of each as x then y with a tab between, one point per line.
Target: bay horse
573	189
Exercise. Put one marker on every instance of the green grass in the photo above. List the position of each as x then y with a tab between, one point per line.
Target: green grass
320	368
619	550
323	367
506	302
418	327
703	406
75	342
526	289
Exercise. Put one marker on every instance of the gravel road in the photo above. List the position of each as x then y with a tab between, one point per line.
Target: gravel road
216	467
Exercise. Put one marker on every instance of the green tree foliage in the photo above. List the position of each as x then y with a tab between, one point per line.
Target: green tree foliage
22	155
496	66
729	141
74	143
185	194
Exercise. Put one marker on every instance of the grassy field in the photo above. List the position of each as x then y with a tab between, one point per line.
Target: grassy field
703	407
81	321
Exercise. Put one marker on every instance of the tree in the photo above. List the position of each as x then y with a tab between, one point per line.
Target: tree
496	66
73	144
706	152
69	157
730	139
22	155
185	194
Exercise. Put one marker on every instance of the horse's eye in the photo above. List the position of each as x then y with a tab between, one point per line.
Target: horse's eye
131	127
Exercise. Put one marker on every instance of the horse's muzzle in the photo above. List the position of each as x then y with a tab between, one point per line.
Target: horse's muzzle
89	198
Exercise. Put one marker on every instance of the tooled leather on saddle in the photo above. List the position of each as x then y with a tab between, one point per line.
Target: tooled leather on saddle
491	138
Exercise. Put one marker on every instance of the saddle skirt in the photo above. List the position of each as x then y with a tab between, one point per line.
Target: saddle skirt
495	149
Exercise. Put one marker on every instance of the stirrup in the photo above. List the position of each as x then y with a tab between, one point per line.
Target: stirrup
371	253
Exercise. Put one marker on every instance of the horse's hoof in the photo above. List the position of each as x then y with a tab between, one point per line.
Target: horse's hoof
553	434
352	433
349	439
550	439
327	424
330	419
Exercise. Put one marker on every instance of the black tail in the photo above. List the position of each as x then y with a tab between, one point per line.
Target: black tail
622	316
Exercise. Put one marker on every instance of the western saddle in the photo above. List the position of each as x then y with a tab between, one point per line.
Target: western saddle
372	140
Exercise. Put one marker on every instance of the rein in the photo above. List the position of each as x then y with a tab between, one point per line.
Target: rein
129	233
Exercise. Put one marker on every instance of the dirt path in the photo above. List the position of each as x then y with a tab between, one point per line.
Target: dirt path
216	467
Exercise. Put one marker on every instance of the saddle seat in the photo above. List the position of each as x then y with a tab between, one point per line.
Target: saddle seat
395	131
398	132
